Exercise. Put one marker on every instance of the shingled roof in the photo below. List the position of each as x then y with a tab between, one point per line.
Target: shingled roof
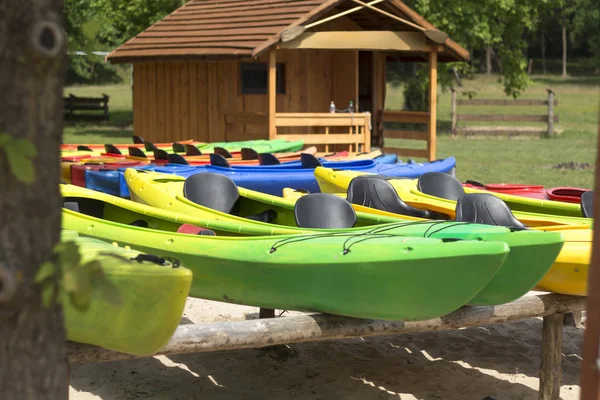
218	29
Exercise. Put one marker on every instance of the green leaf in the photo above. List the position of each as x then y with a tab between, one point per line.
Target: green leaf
19	154
48	297
69	256
81	301
46	270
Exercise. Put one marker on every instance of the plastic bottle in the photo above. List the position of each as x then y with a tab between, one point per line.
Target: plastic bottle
351	107
332	107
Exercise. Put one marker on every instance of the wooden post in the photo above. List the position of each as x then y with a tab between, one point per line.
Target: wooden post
590	373
453	112
550	112
431	143
550	366
272	94
573	319
266	313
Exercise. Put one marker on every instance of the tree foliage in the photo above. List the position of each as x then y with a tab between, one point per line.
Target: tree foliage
476	25
101	25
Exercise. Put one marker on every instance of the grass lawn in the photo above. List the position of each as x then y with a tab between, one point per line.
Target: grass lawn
482	159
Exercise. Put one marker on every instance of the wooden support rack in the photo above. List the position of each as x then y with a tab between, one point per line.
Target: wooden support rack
199	338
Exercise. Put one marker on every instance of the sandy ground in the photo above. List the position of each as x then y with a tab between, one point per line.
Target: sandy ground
500	361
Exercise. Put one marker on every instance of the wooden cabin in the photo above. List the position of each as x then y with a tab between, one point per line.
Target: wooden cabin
229	70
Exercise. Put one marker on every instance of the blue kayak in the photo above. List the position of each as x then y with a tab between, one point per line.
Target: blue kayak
271	179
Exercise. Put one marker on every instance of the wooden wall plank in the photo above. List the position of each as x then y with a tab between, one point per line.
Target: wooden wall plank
212	77
138	87
193	100
160	117
174	131
150	99
185	102
203	133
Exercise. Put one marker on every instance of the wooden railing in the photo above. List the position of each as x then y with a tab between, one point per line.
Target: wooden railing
409	117
332	129
549	117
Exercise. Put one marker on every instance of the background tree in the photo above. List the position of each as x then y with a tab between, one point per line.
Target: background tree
497	24
33	361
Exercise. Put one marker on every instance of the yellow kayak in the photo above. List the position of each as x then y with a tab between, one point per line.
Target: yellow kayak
333	181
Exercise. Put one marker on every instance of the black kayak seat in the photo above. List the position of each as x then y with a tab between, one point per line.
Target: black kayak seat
325	211
268	159
83	148
191	150
266	216
111	149
137	139
178	147
149	146
176	159
309	161
139	222
136	152
224	152
218	160
484	208
211	190
375	192
441	185
160	154
587	204
249	154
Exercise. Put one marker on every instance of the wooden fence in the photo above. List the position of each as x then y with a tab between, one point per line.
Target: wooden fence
322	129
332	129
549	118
409	117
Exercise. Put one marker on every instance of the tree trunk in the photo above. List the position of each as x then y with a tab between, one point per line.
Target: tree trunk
33	362
543	52
564	51
488	60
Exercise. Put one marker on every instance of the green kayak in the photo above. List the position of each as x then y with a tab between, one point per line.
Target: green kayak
260	146
532	252
405	279
152	296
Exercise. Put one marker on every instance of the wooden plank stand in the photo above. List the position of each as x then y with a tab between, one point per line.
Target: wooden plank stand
259	333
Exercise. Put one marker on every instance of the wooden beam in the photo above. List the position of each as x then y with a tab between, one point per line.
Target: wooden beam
431	144
315	13
389	15
272	93
197	338
409	135
360	40
406	117
321	138
504	117
550	366
500	102
335	16
402	152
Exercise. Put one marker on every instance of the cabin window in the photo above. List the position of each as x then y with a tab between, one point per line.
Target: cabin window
255	78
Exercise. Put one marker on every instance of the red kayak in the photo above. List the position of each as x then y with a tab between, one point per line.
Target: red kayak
564	194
